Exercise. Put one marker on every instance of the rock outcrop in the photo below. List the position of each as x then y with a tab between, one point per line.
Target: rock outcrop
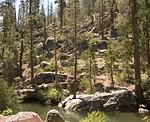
22	117
26	94
120	100
48	77
54	116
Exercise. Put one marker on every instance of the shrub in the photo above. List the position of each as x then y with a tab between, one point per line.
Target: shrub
53	93
95	117
85	83
7	112
146	88
146	119
42	95
7	97
50	67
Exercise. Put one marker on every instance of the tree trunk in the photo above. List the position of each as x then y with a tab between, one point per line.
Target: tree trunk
111	69
112	18
31	44
138	88
21	58
148	53
90	74
45	35
61	13
75	49
102	19
56	68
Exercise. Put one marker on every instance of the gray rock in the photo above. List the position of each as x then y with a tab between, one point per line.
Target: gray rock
22	117
54	116
26	93
50	44
143	110
120	100
44	64
48	77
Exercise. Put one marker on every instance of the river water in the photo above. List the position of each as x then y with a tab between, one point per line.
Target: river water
75	117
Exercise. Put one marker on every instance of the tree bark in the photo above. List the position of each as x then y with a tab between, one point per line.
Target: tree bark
61	13
90	74
138	89
56	67
112	17
102	19
31	44
75	49
21	58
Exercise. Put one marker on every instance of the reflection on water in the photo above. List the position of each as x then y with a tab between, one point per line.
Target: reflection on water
74	117
42	111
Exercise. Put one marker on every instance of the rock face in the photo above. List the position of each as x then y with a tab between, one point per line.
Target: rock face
22	117
26	94
48	45
54	116
143	109
120	100
48	77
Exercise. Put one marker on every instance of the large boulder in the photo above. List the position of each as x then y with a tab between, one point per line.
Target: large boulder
26	94
120	100
44	64
48	77
21	117
54	116
48	45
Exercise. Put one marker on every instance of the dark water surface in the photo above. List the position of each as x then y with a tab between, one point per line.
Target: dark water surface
74	117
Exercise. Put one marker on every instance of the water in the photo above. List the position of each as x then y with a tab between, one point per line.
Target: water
42	111
75	117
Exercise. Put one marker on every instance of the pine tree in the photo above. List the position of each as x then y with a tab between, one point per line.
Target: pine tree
61	6
56	65
44	26
113	7
51	13
135	36
75	49
31	41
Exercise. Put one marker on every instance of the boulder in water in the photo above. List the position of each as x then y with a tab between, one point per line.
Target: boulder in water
119	100
54	116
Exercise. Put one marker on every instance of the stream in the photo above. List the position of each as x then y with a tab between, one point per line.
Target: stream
75	117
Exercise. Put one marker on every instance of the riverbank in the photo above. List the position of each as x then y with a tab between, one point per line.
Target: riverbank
114	116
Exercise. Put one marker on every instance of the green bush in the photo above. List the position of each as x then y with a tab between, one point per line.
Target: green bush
85	83
42	95
146	119
7	97
146	88
53	93
50	67
95	117
7	112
